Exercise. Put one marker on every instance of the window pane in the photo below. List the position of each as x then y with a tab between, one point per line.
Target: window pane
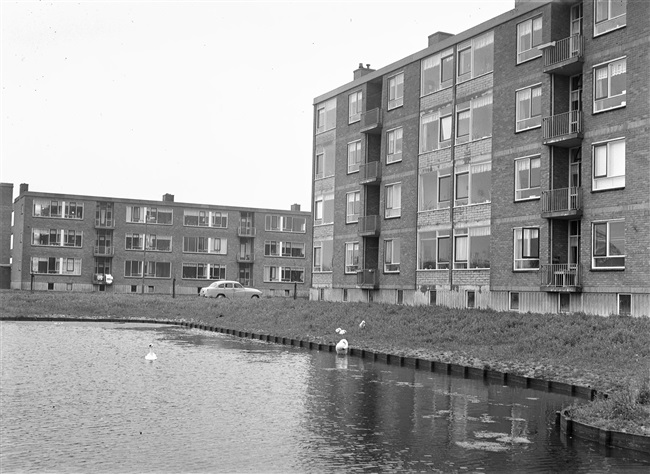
463	123
600	239
444	189
523	104
445	128
462	186
616	159
464	61
618	72
535	173
428	191
617	238
444	249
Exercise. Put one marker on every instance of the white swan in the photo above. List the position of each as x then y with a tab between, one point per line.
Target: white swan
151	355
362	324
342	346
340	331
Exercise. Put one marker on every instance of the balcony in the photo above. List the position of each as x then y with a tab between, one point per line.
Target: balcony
564	57
370	173
246	231
245	258
561	277
367	279
371	121
563	130
369	226
564	203
104	251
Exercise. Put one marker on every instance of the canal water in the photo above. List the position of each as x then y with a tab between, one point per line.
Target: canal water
80	397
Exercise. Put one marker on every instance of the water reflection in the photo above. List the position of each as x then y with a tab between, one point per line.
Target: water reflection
81	397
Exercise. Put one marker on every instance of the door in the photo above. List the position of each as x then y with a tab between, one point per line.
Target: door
575	104
575	178
576	29
574	252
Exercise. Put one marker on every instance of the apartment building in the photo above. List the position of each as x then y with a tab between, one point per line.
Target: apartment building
65	242
505	167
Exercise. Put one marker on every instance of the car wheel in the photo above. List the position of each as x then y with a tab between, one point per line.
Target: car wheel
255	296
221	296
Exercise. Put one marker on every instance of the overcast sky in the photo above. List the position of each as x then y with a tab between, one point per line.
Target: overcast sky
211	101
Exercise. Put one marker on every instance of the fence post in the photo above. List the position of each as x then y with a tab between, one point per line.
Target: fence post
174	288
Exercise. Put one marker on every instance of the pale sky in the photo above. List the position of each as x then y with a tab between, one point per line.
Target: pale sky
211	101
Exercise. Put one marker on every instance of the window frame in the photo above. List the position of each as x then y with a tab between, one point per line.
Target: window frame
394	140
608	244
352	217
392	265
533	52
352	251
355	106
618	100
611	23
394	99
531	258
521	124
436	76
354	151
530	188
393	192
616	181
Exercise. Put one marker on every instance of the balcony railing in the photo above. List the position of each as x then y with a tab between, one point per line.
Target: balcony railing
246	231
371	121
370	172
104	250
369	225
564	202
245	258
564	56
563	129
367	278
104	223
561	277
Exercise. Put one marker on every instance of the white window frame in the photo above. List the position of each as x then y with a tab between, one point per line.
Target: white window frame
528	193
472	46
393	201
526	262
437	60
354	156
608	245
524	55
435	119
352	207
326	116
352	259
355	105
392	261
530	121
395	92
609	180
610	23
610	102
394	143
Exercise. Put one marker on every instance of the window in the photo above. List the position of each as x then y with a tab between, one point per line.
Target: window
526	245
64	209
394	140
514	301
609	15
391	255
324	209
195	271
434	249
134	214
529	37
435	189
159	216
353	204
217	272
104	214
271	248
204	245
476	57
132	268
219	219
437	72
56	265
474	119
355	102
351	257
396	91
74	210
324	165
624	304
527	178
472	248
444	190
159	243
609	165
134	242
323	253
393	200
72	238
354	156
435	129
273	274
608	245
46	237
462	186
470	299
158	269
326	116
195	218
529	108
610	85
293	249
278	223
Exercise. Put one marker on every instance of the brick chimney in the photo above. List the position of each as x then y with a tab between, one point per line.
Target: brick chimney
362	71
168	197
295	207
24	187
438	36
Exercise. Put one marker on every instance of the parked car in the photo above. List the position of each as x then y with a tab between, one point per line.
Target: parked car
229	289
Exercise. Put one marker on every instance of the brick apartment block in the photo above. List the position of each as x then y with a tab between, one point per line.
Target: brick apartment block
505	167
67	242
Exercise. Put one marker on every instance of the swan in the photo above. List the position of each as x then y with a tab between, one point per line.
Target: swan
340	331
342	346
362	324
151	355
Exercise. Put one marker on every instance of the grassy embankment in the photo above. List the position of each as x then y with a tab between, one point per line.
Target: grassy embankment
610	354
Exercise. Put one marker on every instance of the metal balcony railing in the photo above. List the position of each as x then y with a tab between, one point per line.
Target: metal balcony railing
562	200
562	125
247	258
561	276
563	50
369	225
246	231
370	172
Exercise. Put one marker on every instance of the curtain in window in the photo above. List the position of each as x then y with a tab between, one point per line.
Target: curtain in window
601	83
483	54
616	158
461	249
523	173
617	80
523	104
536	102
525	35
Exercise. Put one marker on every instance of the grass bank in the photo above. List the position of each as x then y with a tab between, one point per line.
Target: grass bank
609	354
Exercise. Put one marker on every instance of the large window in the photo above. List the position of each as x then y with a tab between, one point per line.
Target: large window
474	119
529	37
609	165
355	102
354	156
324	209
205	245
396	91
195	271
610	85
56	265
324	165
526	248
434	249
527	178
73	210
472	248
391	255
134	241
393	200
326	115
609	245
293	249
323	256
158	269
435	129
476	57
201	218
394	140
278	223
156	215
274	274
437	71
352	208
609	15
351	257
473	184
64	209
529	108
159	243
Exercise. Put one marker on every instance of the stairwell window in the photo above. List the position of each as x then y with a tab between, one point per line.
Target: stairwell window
393	206
609	165
391	256
608	251
526	248
394	139
529	108
610	85
527	178
529	37
609	15
396	91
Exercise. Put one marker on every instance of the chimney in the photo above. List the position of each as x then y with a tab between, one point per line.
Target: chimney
438	36
295	207
168	197
362	71
24	187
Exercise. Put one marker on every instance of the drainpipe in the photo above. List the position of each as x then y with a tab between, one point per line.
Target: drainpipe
452	185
